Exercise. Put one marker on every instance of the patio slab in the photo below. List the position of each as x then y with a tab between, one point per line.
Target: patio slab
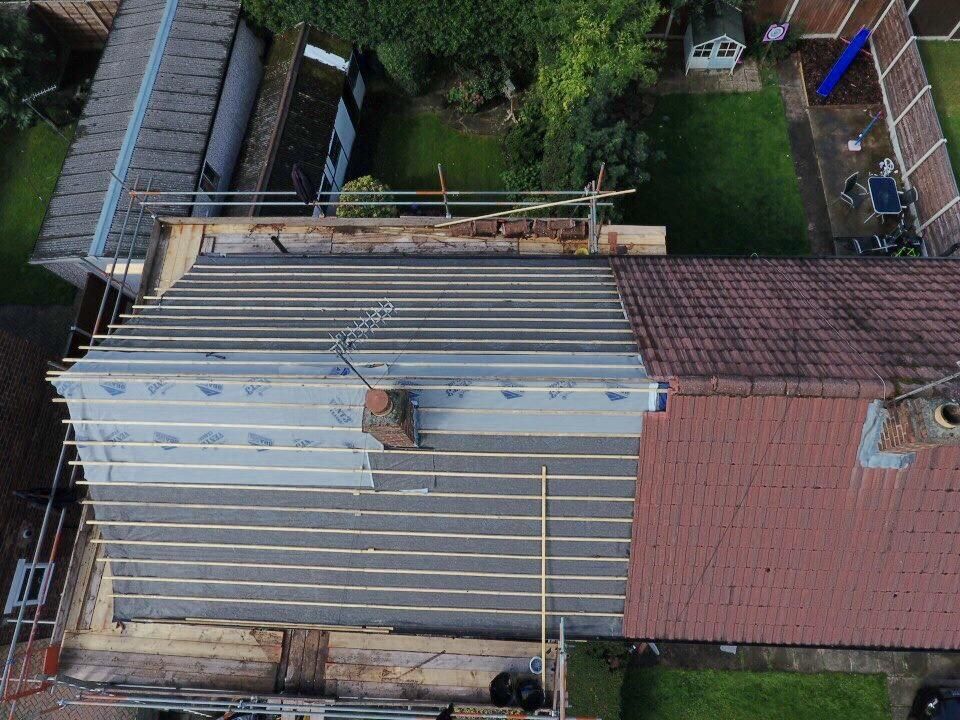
832	127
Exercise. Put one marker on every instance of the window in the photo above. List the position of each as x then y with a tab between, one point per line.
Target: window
703	51
727	50
209	179
335	147
19	593
353	72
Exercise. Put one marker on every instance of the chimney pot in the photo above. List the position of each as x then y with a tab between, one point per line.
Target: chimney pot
920	423
378	402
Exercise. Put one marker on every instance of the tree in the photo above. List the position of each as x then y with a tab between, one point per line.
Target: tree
595	48
21	55
365	184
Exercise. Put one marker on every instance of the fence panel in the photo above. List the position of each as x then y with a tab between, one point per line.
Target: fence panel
915	127
80	25
935	18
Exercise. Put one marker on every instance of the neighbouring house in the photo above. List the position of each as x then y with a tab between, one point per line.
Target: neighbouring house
307	113
715	40
167	110
32	437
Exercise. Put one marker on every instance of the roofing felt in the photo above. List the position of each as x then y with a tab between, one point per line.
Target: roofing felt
170	145
813	326
755	523
217	430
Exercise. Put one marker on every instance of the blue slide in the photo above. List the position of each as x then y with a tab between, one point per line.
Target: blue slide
843	63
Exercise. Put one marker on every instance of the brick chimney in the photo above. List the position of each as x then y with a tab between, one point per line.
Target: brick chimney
921	423
391	417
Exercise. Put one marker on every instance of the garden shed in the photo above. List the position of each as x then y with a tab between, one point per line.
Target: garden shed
714	41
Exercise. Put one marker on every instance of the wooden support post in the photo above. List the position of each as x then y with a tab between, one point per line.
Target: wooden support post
846	18
883	15
913	6
790	11
543	567
924	91
443	189
906	46
941	211
543	206
954	31
928	153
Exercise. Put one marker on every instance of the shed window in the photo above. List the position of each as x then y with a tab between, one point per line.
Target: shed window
703	51
19	593
209	179
727	50
335	147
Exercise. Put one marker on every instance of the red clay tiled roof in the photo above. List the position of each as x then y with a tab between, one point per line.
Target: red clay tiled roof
754	522
808	326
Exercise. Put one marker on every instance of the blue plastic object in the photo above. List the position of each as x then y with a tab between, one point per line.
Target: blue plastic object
843	62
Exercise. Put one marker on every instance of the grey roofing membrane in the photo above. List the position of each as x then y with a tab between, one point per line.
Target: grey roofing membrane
231	480
170	144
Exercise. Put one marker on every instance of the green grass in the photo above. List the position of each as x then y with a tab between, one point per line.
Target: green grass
409	148
30	162
941	60
659	693
726	183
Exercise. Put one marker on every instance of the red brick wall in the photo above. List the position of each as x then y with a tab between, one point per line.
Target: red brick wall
30	435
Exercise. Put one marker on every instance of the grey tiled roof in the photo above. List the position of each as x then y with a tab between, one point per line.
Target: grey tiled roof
172	139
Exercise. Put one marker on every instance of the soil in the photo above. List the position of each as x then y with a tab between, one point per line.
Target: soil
859	86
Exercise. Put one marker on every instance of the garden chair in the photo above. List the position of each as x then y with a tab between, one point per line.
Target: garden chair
909	197
853	193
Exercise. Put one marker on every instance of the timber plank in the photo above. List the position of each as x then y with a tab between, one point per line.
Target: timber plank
87	552
420	676
433	644
428	660
295	640
90	597
311	647
409	691
118	643
148	664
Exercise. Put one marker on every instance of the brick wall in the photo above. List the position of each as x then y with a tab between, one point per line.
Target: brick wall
31	435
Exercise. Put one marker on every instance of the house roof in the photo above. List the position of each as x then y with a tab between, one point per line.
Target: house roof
756	523
809	326
172	137
218	428
719	20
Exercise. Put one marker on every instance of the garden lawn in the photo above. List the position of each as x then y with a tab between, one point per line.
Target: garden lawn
410	146
725	183
30	163
941	60
658	693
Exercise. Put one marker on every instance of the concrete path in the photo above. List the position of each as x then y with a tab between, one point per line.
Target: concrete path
746	78
804	156
905	670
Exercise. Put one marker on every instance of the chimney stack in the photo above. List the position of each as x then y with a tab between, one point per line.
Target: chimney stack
390	416
921	423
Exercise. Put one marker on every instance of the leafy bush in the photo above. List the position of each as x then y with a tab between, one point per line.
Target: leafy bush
477	87
22	55
365	184
405	66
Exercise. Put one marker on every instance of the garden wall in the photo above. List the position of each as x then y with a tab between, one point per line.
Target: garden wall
915	128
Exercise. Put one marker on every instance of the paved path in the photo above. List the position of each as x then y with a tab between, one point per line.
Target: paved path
746	78
905	670
804	156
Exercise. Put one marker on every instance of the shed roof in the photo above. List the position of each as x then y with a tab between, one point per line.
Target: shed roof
294	119
813	326
719	20
217	428
172	138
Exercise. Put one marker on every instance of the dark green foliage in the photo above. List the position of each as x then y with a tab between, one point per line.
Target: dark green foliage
465	30
478	86
22	57
404	65
365	184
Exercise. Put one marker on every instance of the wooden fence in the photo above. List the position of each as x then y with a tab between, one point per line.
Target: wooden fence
931	19
915	128
80	24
